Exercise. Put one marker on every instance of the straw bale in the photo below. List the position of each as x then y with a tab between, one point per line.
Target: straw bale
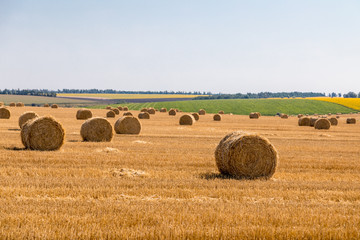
4	113
26	116
172	112
127	125
125	108
187	119
284	116
217	117
322	123
312	121
163	110
202	112
12	104
221	112
196	116
300	115
108	107
127	114
20	104
144	110
116	111
46	105
254	115
82	114
304	121
333	121
54	106
96	130
110	114
144	115
350	120
120	108
151	111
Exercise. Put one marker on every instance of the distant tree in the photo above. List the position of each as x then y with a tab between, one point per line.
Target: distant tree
329	95
333	94
359	95
339	95
350	95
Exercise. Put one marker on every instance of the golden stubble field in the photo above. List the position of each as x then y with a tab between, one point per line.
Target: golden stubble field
164	183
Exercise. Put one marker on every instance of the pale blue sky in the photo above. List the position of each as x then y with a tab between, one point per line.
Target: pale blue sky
187	45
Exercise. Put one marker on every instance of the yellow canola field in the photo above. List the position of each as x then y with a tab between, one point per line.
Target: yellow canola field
353	103
124	96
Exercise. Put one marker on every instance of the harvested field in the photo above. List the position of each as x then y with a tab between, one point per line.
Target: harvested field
141	186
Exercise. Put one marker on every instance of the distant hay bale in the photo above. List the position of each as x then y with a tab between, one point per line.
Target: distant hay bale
337	116
127	125
110	114
312	121
12	104
304	121
26	116
329	114
221	112
96	130
246	155
254	115
187	119
46	105
351	121
144	110
151	111
20	104
163	110
82	114
43	133
4	113
322	123
144	115
127	114
333	121
217	117
116	111
177	110
54	106
125	108
172	112
108	107
300	115
202	112
120	108
196	116
338	113
284	116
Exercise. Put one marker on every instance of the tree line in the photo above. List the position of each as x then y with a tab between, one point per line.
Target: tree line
262	95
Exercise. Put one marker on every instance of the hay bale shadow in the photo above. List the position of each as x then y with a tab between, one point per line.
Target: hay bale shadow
74	141
14	129
16	148
214	176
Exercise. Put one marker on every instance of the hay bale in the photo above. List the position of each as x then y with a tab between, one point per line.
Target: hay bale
221	112
54	106
110	114
312	121
322	123
4	113
151	111
127	125
127	114
300	115
144	110
254	115
246	155
96	130
172	112
12	104
333	121
82	114
46	105
217	117
350	120
304	121
20	104
120	108
125	108
163	110
196	116
187	119
284	116
116	111
108	107
43	133
202	112
144	115
337	116
26	116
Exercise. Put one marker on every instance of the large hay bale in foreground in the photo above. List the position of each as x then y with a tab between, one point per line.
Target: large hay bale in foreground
187	119
312	121
246	155
350	120
163	110
304	121
110	114
82	114
151	111
217	117
20	104
127	114
26	116
333	121
116	111
127	125
196	116
172	112
254	115
322	123
202	112
96	130
4	113
125	108
12	104
43	133
221	112
54	106
144	115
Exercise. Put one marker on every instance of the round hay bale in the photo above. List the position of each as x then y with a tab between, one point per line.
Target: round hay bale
350	120
322	123
329	114
96	130
12	104
120	108
246	155
337	116
110	114
82	114
4	113
221	112
127	125
54	106
187	119
127	114
254	115
46	105
177	110
304	121
26	116
333	121
300	115
144	115
151	111
163	110
284	116
217	117
172	112
108	107
116	111
144	110
196	116
202	112
20	104
125	108
312	121
43	133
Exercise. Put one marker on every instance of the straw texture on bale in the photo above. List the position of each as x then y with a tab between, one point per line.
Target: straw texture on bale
254	115
312	121
163	110
4	113
187	119
43	133
143	110
26	116
304	121
322	123
127	125
246	155
202	112
144	115
12	104
333	121
127	114
116	111
110	114
54	106
217	117
96	130
120	108
82	114
351	121
172	112
46	105
151	111
125	108
20	104
196	116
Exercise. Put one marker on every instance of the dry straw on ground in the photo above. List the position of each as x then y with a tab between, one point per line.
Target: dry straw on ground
125	108
202	112
127	114
333	121
151	110
82	114
163	110
110	114
144	115
322	123
254	115
127	125
196	116
96	130
26	116
20	104
350	120
116	111
172	112
187	119
304	121
4	113
217	117
54	106
221	112
12	104
246	155
43	133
